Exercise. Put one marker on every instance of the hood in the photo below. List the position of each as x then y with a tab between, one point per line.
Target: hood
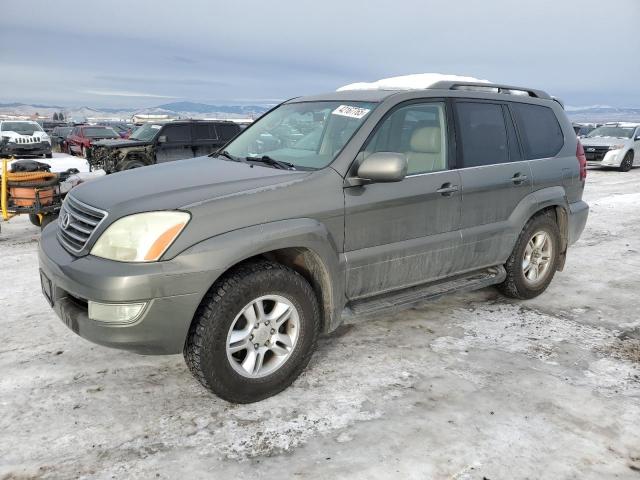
177	184
603	141
39	136
120	143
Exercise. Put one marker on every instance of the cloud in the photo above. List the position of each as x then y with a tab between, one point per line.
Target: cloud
116	93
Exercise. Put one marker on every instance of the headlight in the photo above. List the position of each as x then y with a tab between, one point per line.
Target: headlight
616	147
142	237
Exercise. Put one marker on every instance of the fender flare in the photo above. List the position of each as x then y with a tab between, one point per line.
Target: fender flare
305	236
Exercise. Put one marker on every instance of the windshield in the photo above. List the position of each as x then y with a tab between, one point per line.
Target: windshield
146	132
617	132
100	132
23	128
62	131
308	135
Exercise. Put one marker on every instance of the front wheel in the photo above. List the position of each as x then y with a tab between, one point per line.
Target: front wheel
534	260
627	162
254	332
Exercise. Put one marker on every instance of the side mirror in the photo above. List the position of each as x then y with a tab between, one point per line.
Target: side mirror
382	167
637	138
162	139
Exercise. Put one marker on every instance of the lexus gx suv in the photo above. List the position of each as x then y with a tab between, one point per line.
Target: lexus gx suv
345	204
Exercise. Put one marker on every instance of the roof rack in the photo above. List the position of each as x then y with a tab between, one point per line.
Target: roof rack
491	88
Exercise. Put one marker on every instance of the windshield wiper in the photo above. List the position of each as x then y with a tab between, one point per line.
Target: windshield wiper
267	160
226	154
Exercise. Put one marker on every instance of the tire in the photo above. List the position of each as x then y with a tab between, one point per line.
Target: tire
627	162
48	155
205	350
34	219
517	284
129	164
47	219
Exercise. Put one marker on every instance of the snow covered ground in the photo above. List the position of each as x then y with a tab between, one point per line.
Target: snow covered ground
62	162
473	386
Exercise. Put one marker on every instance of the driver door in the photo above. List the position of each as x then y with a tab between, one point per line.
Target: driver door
405	233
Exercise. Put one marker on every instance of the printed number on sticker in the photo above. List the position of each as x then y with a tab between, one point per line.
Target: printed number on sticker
349	111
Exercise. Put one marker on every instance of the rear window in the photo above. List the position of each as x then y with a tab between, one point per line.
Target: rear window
539	130
204	131
483	134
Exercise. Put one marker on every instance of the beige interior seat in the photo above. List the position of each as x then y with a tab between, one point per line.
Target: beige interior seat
426	150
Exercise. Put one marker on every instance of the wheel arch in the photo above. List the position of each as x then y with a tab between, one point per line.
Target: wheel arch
303	245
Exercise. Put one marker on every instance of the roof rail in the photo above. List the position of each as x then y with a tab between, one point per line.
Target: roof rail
493	87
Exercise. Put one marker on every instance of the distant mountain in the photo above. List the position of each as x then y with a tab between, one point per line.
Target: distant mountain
181	107
603	113
176	110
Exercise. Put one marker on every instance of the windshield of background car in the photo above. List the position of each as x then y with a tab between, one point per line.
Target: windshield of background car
617	132
308	135
146	132
23	128
100	132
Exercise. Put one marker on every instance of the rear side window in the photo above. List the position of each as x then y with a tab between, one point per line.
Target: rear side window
539	130
483	134
204	131
227	131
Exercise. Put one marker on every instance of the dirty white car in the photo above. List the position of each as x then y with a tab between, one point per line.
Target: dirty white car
23	138
613	145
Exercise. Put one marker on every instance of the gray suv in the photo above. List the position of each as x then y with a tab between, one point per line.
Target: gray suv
344	204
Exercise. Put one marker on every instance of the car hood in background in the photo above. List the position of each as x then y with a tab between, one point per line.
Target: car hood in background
120	143
177	184
603	141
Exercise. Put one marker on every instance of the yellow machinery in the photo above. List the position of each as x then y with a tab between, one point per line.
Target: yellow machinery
36	194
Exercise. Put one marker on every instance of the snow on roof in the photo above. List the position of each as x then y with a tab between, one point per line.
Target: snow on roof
416	81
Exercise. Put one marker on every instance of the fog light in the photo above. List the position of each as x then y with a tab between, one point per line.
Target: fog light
115	312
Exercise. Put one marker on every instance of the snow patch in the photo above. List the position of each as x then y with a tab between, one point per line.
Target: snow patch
409	82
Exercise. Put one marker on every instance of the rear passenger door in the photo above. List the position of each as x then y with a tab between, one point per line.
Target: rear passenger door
205	139
495	178
177	144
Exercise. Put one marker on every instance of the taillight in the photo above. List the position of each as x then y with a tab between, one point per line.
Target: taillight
582	160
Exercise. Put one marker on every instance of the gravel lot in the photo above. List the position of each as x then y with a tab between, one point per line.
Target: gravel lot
474	386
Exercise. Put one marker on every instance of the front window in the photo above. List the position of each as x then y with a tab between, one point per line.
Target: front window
23	128
307	135
97	132
615	132
146	132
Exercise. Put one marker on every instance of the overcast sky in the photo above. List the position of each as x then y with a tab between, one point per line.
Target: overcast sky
143	53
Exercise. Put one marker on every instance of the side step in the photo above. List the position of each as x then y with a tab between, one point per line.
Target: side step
408	297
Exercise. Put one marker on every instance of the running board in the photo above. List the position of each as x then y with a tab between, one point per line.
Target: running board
412	296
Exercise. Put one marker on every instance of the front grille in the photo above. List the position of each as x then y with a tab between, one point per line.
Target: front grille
595	153
22	140
77	222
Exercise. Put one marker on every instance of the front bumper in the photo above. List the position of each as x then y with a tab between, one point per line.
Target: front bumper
612	158
19	149
577	219
173	290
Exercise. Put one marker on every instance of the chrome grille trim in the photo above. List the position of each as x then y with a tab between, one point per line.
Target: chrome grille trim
83	221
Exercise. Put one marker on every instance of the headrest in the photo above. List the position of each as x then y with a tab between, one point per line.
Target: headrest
426	140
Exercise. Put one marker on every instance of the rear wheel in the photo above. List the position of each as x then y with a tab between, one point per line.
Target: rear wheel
627	162
254	332
534	260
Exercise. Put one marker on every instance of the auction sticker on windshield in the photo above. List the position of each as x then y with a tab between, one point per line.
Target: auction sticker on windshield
349	111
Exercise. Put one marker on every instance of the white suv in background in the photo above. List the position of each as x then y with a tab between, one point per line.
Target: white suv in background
613	145
23	138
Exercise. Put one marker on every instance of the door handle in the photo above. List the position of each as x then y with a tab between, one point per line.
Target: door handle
518	178
447	189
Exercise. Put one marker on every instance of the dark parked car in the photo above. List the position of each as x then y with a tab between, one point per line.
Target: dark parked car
162	142
82	137
59	138
390	198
